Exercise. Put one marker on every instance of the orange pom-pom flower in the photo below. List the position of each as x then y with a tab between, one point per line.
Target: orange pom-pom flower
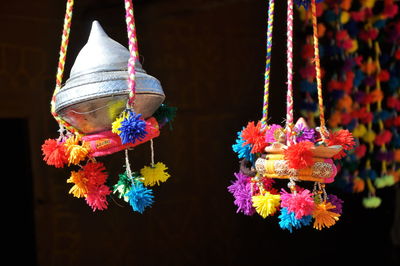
79	180
323	216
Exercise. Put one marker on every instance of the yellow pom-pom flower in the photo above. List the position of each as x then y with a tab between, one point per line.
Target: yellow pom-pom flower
266	204
323	216
76	153
115	126
154	175
79	190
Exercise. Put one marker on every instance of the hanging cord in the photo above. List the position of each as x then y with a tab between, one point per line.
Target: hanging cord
323	129
289	97
270	26
152	152
133	49
127	164
61	65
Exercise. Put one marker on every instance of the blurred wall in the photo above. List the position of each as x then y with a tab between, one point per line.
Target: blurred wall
209	56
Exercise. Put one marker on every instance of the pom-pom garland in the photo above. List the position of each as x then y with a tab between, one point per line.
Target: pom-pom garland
362	76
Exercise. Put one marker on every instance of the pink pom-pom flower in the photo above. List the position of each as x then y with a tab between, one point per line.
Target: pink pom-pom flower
301	203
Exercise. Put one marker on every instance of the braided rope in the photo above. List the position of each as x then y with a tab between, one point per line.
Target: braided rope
289	97
133	49
270	26
318	68
61	65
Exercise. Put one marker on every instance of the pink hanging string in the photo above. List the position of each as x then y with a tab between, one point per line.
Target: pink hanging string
133	49
289	97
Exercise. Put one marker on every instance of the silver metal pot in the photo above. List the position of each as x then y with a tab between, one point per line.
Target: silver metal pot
97	90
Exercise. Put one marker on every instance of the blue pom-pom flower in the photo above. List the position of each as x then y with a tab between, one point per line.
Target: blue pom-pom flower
288	220
140	197
131	127
243	151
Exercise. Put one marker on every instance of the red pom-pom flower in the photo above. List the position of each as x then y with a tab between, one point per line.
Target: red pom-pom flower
299	155
343	138
255	136
54	153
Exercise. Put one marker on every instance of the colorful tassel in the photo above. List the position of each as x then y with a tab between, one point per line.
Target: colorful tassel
273	133
372	202
123	186
140	197
255	136
79	190
97	197
154	175
343	138
336	202
289	222
94	173
266	204
241	191
75	152
323	215
165	114
243	150
304	134
300	203
299	155
54	153
130	127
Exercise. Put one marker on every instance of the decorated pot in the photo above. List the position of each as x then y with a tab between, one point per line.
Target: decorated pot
97	90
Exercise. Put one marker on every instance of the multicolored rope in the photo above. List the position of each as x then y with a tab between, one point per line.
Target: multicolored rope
133	49
61	65
318	69
289	97
270	26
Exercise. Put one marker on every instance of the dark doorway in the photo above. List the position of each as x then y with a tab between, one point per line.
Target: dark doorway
18	192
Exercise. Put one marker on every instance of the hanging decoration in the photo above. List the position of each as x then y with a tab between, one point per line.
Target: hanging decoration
294	152
360	41
108	104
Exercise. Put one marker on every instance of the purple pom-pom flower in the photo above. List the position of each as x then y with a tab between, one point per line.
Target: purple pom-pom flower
338	203
241	191
304	133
